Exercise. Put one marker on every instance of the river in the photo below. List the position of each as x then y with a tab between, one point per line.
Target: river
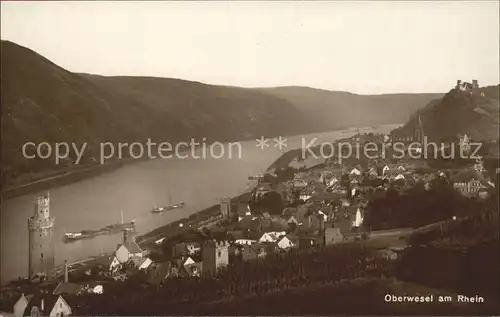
134	188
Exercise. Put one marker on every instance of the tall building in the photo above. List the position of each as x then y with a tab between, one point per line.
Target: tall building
419	129
41	243
215	255
407	135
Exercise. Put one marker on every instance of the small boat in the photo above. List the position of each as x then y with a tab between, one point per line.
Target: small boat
168	207
158	209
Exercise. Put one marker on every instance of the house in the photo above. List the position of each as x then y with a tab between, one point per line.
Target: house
299	175
249	253
413	164
471	184
307	162
48	305
372	172
306	242
307	193
262	189
287	242
114	265
464	142
109	264
141	263
127	251
92	288
192	270
344	223
21	304
159	272
332	181
240	237
255	251
185	248
394	175
309	218
243	211
333	236
249	222
289	215
295	216
271	236
300	183
355	171
345	202
387	254
358	218
311	190
385	169
66	288
245	241
355	179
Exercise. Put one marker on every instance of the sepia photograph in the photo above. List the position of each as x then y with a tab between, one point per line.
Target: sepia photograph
243	158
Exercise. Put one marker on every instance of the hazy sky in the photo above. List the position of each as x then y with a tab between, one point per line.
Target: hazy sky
361	47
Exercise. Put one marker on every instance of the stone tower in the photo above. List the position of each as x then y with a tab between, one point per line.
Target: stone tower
215	255
475	84
225	207
41	243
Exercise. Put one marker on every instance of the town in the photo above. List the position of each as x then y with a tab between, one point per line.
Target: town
361	214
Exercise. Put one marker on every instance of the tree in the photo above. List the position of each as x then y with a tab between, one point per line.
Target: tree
286	174
271	202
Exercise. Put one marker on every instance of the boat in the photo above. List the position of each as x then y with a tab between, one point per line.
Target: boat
168	207
109	229
84	234
120	226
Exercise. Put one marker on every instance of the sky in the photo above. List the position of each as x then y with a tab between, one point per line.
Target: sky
362	47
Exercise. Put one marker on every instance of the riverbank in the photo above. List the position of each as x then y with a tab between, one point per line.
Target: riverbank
147	240
69	175
61	178
173	229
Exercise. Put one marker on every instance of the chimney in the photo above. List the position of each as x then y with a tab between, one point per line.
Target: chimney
65	271
458	83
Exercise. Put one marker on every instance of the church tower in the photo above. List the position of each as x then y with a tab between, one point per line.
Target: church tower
419	129
41	244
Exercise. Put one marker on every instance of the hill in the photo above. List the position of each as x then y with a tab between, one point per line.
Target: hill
42	102
459	112
347	109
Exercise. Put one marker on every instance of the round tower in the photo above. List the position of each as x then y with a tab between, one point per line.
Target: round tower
41	244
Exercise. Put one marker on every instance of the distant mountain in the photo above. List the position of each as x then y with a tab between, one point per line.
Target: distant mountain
347	109
475	114
41	101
